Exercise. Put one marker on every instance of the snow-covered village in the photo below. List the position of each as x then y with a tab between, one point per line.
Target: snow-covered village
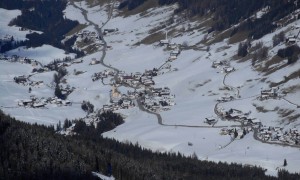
192	86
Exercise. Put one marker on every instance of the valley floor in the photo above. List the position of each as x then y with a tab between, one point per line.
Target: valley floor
196	85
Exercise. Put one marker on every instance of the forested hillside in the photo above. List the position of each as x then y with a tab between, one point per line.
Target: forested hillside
31	151
44	16
37	152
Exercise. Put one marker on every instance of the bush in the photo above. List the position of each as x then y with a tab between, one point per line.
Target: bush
243	49
58	93
278	38
261	52
79	126
131	4
87	107
123	4
288	51
292	59
108	121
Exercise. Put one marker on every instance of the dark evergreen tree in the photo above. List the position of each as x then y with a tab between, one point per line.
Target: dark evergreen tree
242	49
284	162
235	133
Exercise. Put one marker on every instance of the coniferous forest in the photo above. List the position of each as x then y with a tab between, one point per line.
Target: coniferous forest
31	151
38	152
47	17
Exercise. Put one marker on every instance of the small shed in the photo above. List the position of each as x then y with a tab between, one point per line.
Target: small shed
172	58
255	121
210	120
164	42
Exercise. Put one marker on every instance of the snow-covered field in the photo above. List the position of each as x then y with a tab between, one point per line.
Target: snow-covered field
195	83
6	17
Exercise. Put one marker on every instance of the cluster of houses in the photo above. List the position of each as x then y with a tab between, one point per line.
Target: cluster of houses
175	49
86	36
290	136
25	81
39	68
223	65
107	31
23	60
101	75
137	79
237	133
157	99
122	104
153	99
269	93
274	134
56	64
119	101
237	115
90	35
225	98
34	102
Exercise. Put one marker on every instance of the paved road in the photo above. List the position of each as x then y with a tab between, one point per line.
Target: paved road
159	118
255	129
99	31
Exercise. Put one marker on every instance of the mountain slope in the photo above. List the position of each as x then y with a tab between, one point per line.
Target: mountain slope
260	56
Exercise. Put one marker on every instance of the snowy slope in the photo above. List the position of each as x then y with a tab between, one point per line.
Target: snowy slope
191	78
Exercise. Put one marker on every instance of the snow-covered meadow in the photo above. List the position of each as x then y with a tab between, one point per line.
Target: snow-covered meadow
191	78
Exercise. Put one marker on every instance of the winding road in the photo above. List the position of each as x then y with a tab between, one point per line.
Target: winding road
99	31
255	129
159	117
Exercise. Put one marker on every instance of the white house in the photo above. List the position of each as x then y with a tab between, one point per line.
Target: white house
172	58
164	42
38	105
126	103
255	121
229	69
273	92
175	53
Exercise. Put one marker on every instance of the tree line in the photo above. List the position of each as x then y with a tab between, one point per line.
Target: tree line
131	4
